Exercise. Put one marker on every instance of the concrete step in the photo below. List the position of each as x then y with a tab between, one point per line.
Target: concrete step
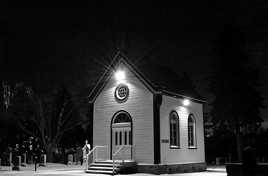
104	165
99	172
119	162
109	162
103	168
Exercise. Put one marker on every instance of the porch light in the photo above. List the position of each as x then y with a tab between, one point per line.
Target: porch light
120	75
186	102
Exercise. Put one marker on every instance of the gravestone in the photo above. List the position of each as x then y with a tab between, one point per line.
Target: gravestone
70	159
16	163
30	159
10	158
43	160
24	160
218	160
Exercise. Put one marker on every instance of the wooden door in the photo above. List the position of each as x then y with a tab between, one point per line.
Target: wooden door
122	139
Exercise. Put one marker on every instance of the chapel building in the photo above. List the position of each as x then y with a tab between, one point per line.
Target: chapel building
144	115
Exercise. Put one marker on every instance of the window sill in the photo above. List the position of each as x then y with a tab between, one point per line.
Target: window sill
192	147
174	147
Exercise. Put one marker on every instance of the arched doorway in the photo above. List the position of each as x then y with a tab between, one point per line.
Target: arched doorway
121	136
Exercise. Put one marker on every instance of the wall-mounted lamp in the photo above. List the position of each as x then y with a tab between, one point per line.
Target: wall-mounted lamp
120	75
186	102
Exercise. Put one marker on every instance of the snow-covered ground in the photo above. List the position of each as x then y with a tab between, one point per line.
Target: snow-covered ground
77	170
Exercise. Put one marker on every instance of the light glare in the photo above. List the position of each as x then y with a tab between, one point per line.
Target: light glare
120	75
186	102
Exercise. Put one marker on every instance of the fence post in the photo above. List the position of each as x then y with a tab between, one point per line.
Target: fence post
96	154
108	154
24	163
35	163
10	158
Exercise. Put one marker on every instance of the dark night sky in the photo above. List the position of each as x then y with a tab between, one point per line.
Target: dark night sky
55	45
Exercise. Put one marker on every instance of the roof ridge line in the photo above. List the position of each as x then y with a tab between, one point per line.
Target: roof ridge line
107	69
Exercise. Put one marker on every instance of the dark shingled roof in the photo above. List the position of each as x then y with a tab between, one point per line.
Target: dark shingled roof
164	79
160	78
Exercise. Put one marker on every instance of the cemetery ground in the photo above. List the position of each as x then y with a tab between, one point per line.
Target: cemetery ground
53	169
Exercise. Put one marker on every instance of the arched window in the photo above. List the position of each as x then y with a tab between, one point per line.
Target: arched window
174	122
191	131
122	118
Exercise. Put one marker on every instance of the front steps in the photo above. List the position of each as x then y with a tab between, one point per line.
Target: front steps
106	167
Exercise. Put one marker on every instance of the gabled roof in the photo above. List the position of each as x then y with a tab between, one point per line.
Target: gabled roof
156	78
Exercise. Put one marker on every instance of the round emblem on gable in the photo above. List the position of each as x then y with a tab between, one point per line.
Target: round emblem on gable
121	93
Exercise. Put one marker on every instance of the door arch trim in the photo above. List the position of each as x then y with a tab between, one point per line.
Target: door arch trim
111	130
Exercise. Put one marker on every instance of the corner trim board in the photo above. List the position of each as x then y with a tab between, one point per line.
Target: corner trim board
157	101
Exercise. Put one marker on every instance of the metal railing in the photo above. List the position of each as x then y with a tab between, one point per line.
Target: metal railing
93	155
121	151
115	154
99	153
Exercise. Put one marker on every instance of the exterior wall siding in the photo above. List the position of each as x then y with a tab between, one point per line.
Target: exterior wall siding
182	155
140	107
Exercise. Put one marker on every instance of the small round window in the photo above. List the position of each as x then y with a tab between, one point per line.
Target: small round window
121	93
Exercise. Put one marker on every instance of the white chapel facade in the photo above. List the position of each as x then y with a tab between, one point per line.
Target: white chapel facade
162	131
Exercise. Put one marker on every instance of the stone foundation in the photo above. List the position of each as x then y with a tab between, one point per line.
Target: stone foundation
171	168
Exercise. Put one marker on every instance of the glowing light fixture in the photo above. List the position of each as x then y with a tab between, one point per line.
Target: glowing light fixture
120	75
186	102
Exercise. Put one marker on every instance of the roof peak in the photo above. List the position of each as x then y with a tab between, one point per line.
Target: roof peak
155	78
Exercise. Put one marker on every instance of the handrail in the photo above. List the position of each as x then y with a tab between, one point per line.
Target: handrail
92	152
87	156
94	148
115	153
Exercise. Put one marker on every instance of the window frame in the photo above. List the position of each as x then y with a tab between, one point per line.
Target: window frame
193	126
177	133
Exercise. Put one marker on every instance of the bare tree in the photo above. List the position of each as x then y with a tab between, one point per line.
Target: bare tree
46	116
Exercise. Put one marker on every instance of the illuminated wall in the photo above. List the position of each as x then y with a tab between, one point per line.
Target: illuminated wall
139	105
183	154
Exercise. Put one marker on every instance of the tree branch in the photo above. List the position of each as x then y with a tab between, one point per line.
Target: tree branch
70	128
61	114
31	133
67	117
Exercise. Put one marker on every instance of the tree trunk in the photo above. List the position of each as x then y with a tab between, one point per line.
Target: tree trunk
238	143
239	147
51	148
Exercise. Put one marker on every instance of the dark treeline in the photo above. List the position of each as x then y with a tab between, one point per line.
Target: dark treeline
57	52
